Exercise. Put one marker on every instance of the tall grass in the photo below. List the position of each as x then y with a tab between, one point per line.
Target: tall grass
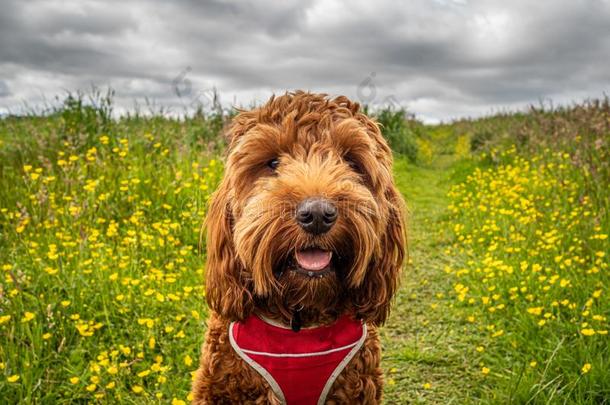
531	221
101	294
582	130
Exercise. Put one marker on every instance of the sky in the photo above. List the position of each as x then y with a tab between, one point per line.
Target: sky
439	59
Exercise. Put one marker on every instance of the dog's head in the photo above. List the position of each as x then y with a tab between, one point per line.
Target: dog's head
307	215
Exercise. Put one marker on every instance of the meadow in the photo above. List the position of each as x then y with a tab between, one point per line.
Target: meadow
504	300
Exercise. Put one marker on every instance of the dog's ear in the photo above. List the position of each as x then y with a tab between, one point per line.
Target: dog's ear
228	292
373	298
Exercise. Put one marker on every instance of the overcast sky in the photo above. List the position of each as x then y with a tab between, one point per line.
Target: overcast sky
440	59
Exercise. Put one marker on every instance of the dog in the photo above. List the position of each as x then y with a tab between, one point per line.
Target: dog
305	243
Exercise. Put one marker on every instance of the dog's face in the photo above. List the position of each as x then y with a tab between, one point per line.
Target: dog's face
307	215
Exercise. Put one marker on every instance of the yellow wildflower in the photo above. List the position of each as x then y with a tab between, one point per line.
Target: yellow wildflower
27	317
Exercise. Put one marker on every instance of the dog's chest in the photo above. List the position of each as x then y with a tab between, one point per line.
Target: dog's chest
300	367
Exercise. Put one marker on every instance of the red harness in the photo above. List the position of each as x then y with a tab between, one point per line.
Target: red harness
299	366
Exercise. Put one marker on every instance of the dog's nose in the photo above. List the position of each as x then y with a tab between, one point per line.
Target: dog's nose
316	215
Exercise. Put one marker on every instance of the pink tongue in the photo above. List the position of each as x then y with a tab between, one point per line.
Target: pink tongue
313	259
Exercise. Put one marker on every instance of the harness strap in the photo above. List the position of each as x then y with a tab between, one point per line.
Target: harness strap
298	366
341	366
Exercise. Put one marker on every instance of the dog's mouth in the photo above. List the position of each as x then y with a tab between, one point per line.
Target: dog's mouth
313	261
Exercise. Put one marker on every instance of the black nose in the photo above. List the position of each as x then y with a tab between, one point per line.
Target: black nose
316	215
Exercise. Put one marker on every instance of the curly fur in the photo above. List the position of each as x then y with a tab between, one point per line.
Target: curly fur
326	147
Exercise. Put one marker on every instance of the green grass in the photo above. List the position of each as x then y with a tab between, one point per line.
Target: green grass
505	299
101	295
427	348
535	282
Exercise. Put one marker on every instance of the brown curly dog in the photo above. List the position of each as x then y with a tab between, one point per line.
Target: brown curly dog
305	242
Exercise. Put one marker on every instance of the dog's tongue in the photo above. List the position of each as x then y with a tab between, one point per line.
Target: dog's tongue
313	259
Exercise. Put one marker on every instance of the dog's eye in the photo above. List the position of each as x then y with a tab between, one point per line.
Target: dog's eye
273	163
353	165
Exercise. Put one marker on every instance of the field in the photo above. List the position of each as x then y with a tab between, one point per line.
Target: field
504	300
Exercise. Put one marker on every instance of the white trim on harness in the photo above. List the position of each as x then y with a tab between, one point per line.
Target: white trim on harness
338	349
275	387
342	365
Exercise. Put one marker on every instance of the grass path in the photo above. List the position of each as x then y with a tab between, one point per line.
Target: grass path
425	344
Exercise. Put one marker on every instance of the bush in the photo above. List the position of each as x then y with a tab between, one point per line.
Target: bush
479	139
399	130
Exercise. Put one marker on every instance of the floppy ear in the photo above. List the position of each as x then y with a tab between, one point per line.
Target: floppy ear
228	289
373	298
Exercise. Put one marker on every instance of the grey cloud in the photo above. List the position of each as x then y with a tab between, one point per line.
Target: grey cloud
4	90
442	59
